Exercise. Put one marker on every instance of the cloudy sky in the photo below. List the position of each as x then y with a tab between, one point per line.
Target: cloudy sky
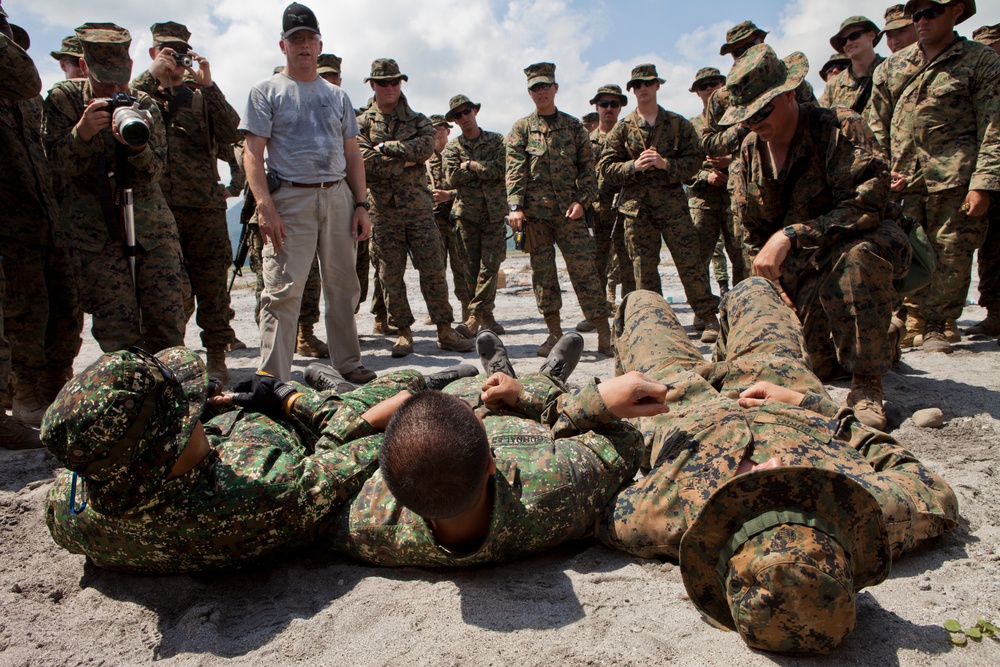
476	47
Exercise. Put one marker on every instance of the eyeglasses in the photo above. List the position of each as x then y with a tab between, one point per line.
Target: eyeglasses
708	85
761	115
931	13
382	83
539	87
609	104
302	37
738	51
851	37
462	112
834	70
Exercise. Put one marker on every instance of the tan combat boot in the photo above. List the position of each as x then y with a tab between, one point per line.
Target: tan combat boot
488	322
449	339
28	406
308	345
914	336
988	327
555	333
382	328
710	333
934	339
866	399
585	326
216	363
603	329
951	331
470	327
466	313
404	342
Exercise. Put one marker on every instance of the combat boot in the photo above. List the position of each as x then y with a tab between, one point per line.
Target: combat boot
382	328
951	331
603	329
698	324
488	322
585	326
934	337
15	435
470	327
711	331
564	357
216	363
308	345
449	339
321	377
404	343
914	336
555	333
493	354
896	330
988	327
235	344
466	313
866	399
28	406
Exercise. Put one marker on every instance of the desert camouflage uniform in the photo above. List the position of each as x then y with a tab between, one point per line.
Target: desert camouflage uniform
190	184
401	210
846	89
943	134
267	487
548	168
846	245
718	140
654	203
612	256
559	457
452	250
478	210
103	275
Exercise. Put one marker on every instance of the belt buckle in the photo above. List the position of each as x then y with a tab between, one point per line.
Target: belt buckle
324	186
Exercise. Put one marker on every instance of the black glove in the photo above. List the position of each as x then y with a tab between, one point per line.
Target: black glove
267	396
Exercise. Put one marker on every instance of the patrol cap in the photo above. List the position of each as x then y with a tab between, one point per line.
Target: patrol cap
437	120
987	34
105	50
457	102
327	63
845	29
383	69
123	422
778	555
643	72
837	59
895	18
704	74
758	77
970	8
610	89
70	47
738	33
171	33
298	17
540	73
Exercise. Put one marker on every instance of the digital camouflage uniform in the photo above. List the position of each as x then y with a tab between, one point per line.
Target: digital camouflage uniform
103	275
478	210
695	449
559	457
653	202
612	258
988	257
942	132
849	90
452	250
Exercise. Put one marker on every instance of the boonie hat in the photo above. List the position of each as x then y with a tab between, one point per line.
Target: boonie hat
738	33
895	18
385	68
704	74
987	34
859	21
327	63
970	8
457	102
643	72
758	77
610	89
834	60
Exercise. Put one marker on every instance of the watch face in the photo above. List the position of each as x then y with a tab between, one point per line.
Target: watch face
514	208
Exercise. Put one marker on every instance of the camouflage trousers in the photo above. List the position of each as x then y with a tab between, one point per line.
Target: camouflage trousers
670	218
453	252
955	237
698	446
577	249
108	294
712	224
989	260
311	293
611	256
485	248
207	256
42	314
395	233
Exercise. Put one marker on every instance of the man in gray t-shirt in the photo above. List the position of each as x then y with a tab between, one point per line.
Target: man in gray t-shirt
308	129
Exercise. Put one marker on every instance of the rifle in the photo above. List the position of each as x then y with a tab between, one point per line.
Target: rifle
246	213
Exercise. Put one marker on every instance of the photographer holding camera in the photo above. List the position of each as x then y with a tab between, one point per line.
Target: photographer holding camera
100	148
198	119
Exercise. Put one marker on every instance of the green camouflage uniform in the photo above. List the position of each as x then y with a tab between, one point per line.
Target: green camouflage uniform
401	209
942	133
612	255
550	166
478	210
452	250
718	140
654	203
559	458
847	89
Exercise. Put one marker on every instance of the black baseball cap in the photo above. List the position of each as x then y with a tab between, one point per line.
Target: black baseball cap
298	17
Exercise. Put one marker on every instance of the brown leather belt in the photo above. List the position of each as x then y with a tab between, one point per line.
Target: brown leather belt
322	186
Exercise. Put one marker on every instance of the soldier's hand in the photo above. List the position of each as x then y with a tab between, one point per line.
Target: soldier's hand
516	220
976	203
164	64
634	395
721	162
500	390
94	119
898	182
268	395
379	414
575	211
440	196
762	391
362	224
202	75
770	258
717	178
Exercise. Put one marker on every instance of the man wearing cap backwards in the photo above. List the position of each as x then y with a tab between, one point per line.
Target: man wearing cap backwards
899	30
934	112
811	195
92	165
852	88
319	204
650	154
474	164
778	503
68	56
396	141
198	119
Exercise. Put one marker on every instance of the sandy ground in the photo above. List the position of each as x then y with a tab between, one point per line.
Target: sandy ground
579	605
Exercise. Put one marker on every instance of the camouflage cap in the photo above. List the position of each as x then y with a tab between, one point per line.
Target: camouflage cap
643	72
457	102
613	90
895	18
778	554
21	37
437	120
171	33
852	22
704	74
836	60
122	423
738	33
278	69
540	73
105	51
70	47
970	8
385	68
987	34
591	117
327	63
758	77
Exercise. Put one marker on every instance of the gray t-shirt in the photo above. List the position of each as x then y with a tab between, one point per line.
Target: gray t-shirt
305	125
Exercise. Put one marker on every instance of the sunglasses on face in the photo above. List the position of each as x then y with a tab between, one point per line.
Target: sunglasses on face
609	104
851	37
835	70
642	84
761	115
539	87
389	82
707	85
930	13
462	112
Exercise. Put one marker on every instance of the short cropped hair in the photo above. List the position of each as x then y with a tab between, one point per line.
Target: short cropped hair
435	455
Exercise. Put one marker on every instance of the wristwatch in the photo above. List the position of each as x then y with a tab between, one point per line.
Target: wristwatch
790	233
362	204
514	207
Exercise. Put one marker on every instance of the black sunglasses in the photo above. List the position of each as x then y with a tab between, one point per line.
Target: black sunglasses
708	85
539	87
761	115
382	83
851	37
641	84
931	13
462	112
610	104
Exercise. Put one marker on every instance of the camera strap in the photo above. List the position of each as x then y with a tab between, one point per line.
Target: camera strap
109	202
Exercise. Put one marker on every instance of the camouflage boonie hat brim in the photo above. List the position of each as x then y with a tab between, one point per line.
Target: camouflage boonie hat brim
643	72
327	63
704	74
105	50
758	77
835	59
896	18
457	102
987	34
540	73
727	521
21	36
108	425
738	33
437	120
859	21
970	8
591	117
610	89
70	47
384	69
171	33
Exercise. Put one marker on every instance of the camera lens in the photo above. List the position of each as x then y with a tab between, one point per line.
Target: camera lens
131	127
